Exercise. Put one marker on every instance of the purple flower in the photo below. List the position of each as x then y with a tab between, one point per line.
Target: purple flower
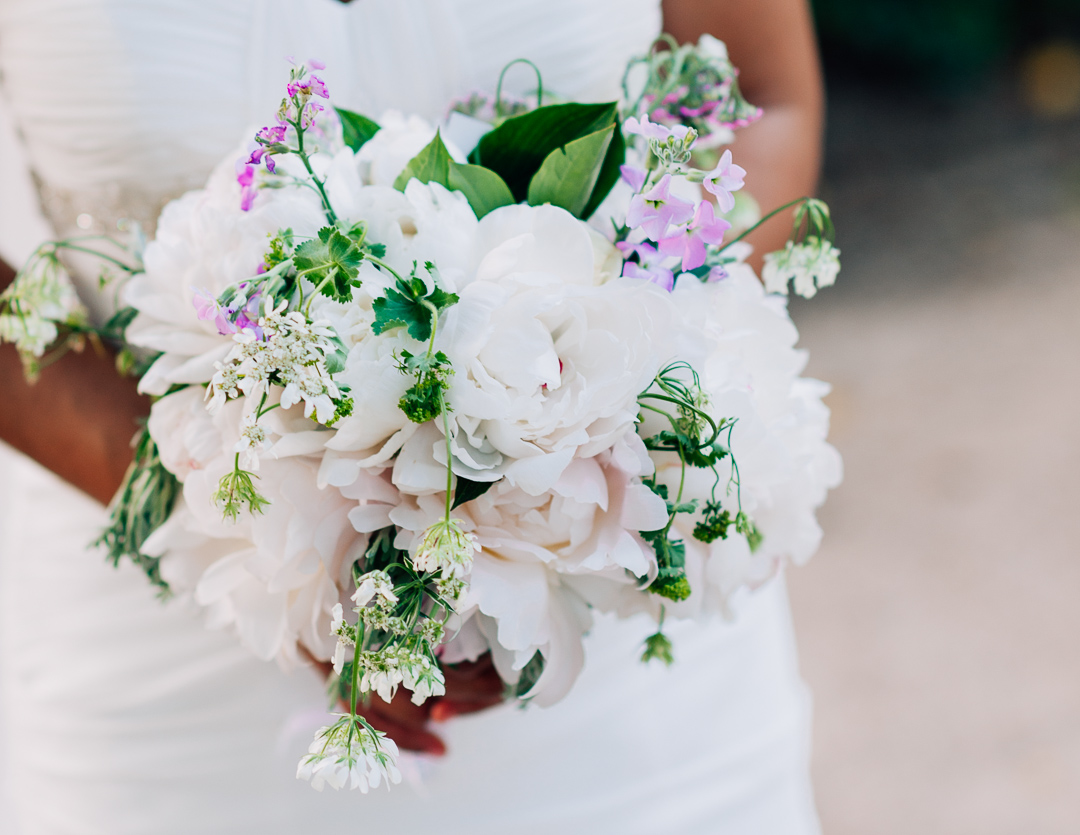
316	65
645	251
307	115
271	134
688	246
705	228
312	85
655	210
710	228
717	273
651	130
655	275
723	180
245	176
208	309
634	177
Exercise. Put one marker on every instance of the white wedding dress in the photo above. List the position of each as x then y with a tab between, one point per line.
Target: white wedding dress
123	716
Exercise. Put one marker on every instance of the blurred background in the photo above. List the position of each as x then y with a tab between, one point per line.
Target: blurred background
938	625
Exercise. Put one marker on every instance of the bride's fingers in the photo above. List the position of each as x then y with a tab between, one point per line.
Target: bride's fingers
445	709
473	681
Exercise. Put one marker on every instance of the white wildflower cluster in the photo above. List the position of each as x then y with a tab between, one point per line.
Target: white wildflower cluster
253	437
41	298
404	659
406	664
377	586
290	352
447	548
812	264
350	751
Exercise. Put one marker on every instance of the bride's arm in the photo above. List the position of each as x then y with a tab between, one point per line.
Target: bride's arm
772	43
77	420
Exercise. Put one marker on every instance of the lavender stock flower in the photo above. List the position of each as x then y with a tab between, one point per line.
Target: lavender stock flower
724	179
657	209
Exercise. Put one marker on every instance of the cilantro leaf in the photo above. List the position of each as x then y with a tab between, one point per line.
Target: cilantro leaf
330	262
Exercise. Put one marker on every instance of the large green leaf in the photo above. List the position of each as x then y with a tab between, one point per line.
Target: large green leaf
482	187
609	173
518	147
567	177
432	164
356	129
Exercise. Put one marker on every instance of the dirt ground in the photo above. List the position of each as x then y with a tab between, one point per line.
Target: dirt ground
939	627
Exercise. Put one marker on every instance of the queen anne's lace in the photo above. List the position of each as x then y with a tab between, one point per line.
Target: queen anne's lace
350	752
292	354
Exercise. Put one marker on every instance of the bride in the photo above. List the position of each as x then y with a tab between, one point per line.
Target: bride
124	715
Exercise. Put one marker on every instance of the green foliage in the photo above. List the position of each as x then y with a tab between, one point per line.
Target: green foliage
745	526
568	174
714	524
356	129
608	174
530	674
331	262
432	164
671	579
281	249
141	506
237	489
517	149
423	401
342	409
483	188
411	306
466	490
658	648
688	444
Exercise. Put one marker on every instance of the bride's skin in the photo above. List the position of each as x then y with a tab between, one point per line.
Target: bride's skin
78	419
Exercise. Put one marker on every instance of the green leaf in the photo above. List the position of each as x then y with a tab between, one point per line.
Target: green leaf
466	490
609	173
568	174
356	129
330	262
517	148
403	307
432	164
482	187
530	674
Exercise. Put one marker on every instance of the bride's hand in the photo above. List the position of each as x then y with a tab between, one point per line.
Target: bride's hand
470	687
77	420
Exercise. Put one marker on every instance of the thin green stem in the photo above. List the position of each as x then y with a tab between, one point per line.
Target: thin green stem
449	468
767	217
378	262
354	689
300	152
498	85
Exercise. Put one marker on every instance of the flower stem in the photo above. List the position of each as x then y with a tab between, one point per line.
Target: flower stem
300	152
449	468
767	217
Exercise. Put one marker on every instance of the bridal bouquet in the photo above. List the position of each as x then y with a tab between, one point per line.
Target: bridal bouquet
428	392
